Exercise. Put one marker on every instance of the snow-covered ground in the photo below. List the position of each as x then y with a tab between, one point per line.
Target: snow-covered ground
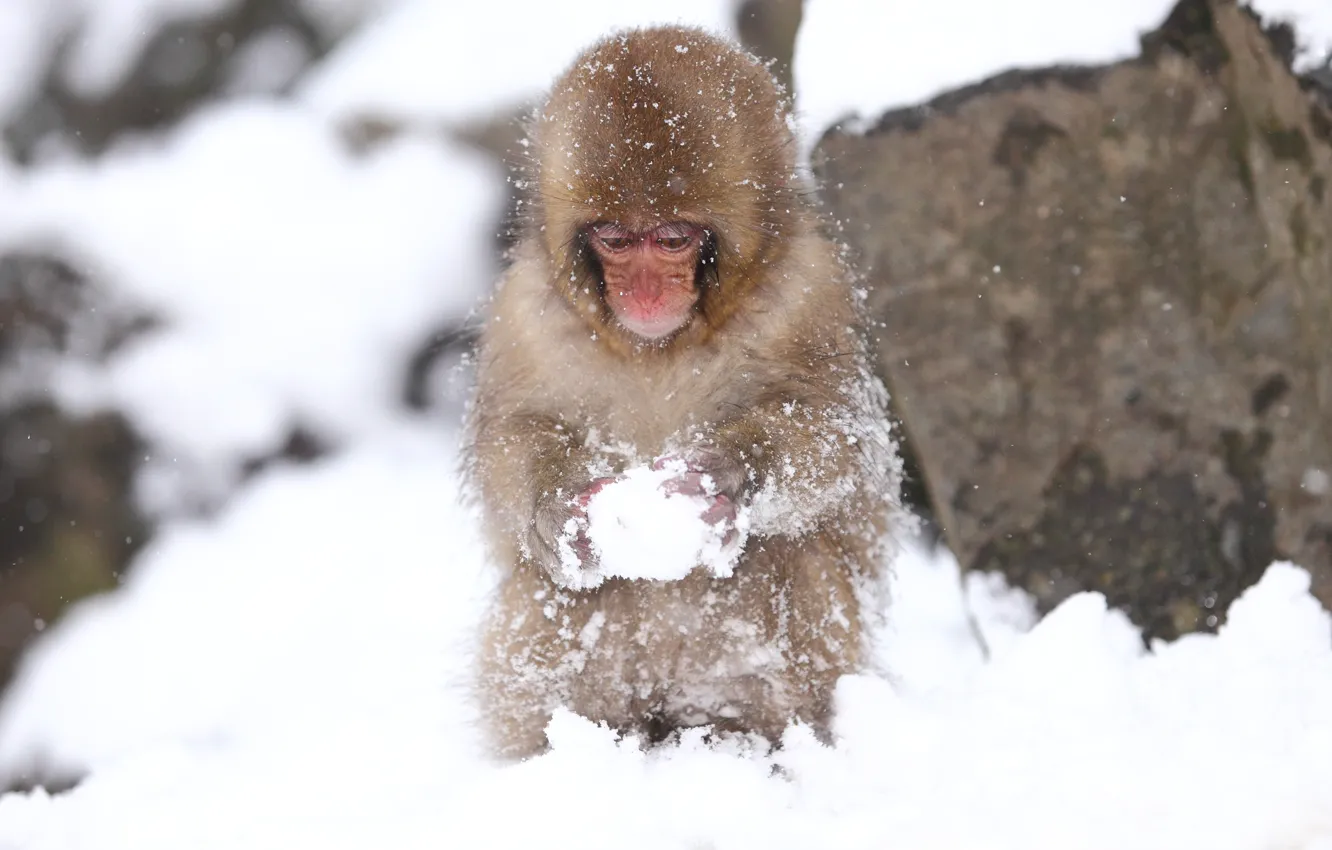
294	674
293	671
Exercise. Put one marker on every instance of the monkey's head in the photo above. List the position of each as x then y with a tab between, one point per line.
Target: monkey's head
665	181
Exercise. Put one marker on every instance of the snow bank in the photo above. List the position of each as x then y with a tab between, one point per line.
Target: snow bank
864	57
295	675
327	602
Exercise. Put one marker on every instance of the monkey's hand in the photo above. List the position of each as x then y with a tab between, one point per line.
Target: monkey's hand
559	541
711	474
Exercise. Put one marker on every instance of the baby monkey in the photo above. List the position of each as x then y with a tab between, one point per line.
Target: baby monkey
672	302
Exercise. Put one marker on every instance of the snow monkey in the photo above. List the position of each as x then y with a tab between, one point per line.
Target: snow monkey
672	303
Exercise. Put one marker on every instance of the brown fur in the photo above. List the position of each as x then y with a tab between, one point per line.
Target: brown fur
770	372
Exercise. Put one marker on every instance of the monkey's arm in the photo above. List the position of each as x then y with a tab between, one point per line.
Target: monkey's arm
796	462
534	473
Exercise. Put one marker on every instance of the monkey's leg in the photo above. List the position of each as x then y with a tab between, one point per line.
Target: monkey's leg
755	651
824	631
623	662
525	664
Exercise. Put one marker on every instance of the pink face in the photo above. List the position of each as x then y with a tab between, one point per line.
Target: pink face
649	276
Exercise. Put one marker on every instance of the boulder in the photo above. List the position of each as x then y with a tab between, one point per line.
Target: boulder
68	523
1106	306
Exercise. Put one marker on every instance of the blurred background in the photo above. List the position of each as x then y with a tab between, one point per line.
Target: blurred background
240	234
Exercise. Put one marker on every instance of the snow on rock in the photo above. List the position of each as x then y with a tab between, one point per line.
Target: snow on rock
410	64
864	57
641	530
293	278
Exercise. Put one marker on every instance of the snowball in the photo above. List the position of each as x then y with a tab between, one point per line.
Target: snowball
638	530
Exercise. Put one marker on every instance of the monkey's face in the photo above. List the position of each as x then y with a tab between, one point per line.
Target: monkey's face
665	186
649	277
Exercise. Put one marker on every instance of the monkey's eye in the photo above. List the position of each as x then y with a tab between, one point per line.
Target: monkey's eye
612	237
615	243
674	243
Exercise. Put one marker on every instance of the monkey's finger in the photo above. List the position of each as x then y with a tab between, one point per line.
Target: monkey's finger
689	484
592	489
727	475
721	510
729	538
582	547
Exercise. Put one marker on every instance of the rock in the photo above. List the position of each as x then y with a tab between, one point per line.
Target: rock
768	29
49	310
68	525
1106	297
439	370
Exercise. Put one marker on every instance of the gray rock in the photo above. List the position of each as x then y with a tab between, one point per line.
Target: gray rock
1106	297
68	525
768	29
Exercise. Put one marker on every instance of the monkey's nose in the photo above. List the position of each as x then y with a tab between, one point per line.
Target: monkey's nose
646	287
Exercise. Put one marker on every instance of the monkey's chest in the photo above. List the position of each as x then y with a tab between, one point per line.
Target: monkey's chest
643	403
646	418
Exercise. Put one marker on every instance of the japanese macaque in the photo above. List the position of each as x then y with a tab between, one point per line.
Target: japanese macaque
672	301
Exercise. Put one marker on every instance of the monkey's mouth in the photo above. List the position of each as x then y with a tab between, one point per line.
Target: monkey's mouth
651	312
652	325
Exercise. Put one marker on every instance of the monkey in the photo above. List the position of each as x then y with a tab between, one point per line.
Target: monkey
673	296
